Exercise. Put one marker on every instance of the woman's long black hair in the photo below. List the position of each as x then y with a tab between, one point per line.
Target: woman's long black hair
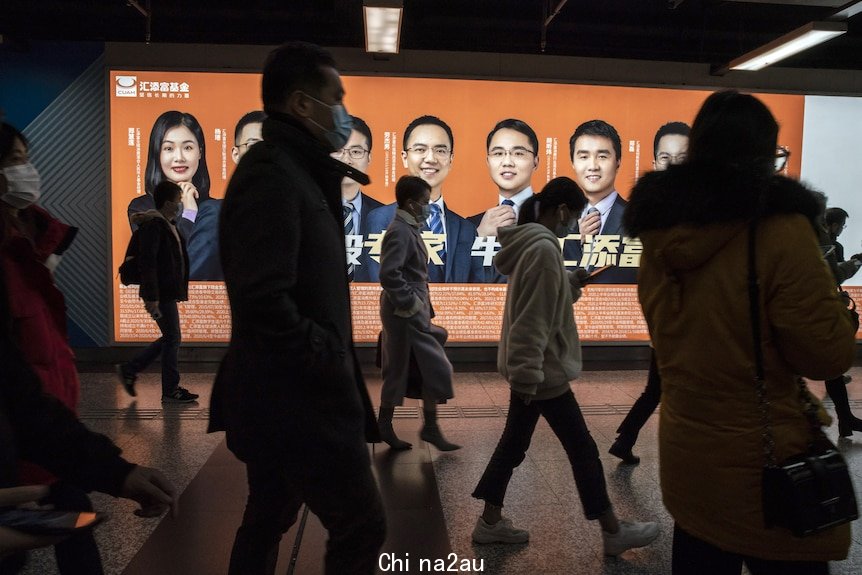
154	174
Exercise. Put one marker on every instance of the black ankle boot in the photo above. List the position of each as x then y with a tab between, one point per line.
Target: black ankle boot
846	428
623	450
387	434
847	422
432	434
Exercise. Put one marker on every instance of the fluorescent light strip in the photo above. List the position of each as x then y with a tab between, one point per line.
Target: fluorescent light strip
800	39
382	29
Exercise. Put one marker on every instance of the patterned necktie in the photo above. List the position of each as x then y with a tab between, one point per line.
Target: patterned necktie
511	204
435	224
347	211
589	254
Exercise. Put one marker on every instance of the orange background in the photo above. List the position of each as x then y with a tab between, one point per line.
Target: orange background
470	107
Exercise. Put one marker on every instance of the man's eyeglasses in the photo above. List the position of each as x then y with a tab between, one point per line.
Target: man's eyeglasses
440	152
781	156
355	153
250	142
664	159
518	154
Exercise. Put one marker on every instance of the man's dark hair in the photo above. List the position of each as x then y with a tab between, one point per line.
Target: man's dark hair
836	216
433	120
410	188
360	126
165	191
255	117
596	128
669	129
561	190
290	67
518	126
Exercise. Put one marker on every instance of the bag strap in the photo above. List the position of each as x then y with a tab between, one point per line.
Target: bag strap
810	410
759	379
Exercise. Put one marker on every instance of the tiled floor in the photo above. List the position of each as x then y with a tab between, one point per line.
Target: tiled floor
426	492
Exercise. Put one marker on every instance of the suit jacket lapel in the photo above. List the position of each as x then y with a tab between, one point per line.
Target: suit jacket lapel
453	229
363	214
614	223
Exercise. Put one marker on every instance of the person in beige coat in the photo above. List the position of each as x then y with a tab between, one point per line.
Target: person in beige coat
539	354
693	220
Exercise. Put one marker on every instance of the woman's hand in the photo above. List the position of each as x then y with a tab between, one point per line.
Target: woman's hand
189	196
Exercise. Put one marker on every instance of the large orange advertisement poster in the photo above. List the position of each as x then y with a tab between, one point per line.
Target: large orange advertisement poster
469	309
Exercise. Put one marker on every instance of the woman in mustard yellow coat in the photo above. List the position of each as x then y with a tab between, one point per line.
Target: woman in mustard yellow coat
693	220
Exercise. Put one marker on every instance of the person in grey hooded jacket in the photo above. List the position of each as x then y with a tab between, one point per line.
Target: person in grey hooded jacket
539	353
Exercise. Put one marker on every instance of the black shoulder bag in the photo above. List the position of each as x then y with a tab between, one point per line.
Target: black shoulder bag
809	492
130	271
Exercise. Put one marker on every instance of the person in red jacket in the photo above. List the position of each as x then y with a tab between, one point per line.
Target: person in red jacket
36	426
32	243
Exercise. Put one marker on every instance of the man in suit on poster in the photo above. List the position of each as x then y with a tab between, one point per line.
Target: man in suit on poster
428	153
356	204
595	150
203	241
513	149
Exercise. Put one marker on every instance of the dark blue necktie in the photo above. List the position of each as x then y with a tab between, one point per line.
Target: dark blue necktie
507	202
437	273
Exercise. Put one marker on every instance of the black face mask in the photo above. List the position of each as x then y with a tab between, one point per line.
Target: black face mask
564	228
424	212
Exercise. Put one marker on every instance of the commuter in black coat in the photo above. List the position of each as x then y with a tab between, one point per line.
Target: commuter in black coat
289	393
164	266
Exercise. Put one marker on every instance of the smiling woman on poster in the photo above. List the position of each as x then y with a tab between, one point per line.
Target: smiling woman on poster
177	152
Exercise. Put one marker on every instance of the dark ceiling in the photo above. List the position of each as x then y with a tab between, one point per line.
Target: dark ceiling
704	31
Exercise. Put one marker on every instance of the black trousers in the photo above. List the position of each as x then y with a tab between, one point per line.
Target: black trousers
167	346
693	556
345	499
837	390
567	422
643	408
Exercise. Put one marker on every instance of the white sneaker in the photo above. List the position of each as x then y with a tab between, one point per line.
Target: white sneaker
500	532
631	535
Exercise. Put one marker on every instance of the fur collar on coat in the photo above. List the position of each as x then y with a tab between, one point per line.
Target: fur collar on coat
681	195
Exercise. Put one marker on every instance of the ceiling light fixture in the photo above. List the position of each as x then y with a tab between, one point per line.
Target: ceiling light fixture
382	25
802	38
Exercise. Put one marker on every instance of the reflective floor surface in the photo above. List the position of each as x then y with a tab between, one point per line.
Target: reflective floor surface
426	492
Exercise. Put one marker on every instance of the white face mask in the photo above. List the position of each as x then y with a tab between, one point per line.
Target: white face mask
24	186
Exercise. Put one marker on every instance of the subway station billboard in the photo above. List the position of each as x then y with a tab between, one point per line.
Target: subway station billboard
469	297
